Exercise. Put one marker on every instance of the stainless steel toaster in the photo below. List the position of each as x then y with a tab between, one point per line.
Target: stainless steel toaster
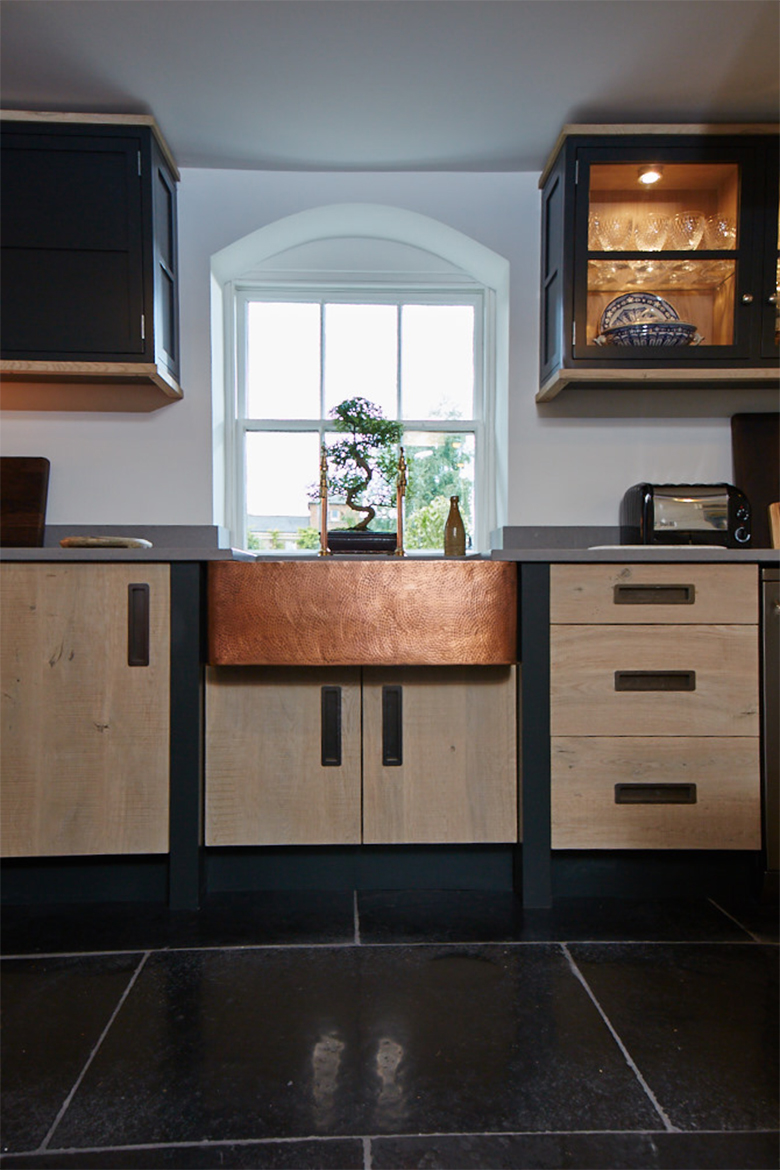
685	513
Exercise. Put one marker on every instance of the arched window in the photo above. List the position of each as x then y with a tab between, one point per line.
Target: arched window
358	300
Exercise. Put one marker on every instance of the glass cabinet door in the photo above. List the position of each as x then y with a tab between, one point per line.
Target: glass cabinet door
770	335
665	246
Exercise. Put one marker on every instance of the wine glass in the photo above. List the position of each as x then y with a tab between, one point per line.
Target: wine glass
616	230
651	231
687	230
720	232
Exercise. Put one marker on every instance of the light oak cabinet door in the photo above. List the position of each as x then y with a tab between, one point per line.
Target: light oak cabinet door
439	755
84	761
405	755
282	756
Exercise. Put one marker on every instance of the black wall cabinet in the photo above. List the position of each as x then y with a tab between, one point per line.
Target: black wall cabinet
89	259
699	244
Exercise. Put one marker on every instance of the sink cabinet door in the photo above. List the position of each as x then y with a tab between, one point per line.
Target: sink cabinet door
439	755
85	712
282	756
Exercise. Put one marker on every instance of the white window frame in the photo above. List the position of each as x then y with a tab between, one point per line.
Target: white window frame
395	288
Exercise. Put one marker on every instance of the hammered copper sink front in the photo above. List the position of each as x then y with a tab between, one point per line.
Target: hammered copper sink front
389	613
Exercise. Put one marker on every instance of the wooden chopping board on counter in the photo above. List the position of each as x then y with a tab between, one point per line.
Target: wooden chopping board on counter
24	489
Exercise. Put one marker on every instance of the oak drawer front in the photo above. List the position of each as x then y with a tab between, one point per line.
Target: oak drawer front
641	594
654	680
648	793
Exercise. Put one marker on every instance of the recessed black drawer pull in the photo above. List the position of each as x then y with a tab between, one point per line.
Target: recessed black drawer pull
137	625
392	727
654	594
655	680
330	710
655	794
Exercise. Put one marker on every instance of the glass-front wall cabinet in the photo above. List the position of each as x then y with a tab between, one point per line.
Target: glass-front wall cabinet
660	252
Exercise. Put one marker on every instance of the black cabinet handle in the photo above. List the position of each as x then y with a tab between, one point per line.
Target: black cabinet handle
655	680
330	712
137	625
654	594
655	794
392	727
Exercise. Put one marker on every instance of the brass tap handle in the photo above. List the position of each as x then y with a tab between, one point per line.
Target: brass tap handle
399	503
324	550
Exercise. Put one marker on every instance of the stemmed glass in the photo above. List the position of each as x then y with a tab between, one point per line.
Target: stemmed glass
651	231
687	230
615	230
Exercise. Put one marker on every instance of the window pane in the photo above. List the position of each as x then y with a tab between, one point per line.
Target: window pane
437	361
283	360
281	469
361	346
439	466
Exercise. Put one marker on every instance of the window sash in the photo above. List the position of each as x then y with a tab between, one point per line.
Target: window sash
480	425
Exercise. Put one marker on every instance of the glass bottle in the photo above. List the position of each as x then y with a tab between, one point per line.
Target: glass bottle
454	532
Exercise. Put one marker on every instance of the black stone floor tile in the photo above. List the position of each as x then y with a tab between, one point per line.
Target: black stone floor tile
578	1151
267	918
761	919
221	1046
701	1023
485	916
323	1154
54	1011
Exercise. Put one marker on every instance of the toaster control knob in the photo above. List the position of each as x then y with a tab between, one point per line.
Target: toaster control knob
741	535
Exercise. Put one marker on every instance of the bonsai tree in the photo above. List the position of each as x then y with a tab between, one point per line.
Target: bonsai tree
362	466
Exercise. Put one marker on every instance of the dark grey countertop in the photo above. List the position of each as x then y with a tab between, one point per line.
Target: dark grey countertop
551	545
625	554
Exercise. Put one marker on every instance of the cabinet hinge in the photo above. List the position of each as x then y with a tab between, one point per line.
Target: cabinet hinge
143	327
139	163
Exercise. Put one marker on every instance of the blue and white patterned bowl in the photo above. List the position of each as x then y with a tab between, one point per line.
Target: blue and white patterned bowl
652	333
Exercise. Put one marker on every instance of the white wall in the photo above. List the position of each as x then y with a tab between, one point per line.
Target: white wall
569	460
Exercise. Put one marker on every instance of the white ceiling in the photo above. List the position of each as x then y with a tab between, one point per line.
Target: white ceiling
390	84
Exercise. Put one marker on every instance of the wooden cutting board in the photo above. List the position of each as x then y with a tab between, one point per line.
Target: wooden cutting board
24	487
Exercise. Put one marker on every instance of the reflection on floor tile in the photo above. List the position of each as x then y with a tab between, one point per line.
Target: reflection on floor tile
359	1041
269	918
54	1011
481	916
700	1021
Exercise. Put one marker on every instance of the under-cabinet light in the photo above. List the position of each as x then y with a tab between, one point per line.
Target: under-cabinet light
650	174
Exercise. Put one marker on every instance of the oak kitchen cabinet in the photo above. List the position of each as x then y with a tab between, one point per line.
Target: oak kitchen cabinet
85	709
361	701
89	250
654	707
379	755
703	238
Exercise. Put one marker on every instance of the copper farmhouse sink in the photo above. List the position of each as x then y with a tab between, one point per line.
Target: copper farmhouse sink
386	613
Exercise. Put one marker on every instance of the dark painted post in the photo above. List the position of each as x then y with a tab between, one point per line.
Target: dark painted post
535	657
187	616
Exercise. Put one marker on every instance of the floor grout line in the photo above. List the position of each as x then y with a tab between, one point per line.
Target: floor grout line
44	1144
670	1128
359	941
211	1143
735	920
